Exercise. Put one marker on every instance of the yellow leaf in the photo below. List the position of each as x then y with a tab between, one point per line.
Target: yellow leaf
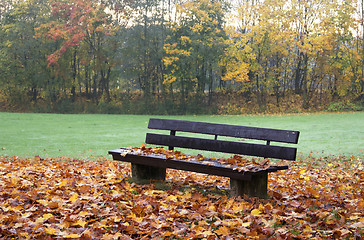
353	218
44	202
255	212
112	166
63	183
153	192
238	207
246	224
47	216
167	234
125	224
24	235
72	236
172	198
73	198
117	219
108	236
212	208
330	165
228	215
14	181
261	208
51	231
207	233
308	229
84	214
306	178
40	220
18	225
302	171
80	223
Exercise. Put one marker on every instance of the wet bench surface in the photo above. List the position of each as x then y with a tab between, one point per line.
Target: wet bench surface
250	182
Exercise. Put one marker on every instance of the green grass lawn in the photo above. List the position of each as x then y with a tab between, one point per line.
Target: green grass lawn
81	135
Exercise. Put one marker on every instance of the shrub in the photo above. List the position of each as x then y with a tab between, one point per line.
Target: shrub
108	108
343	106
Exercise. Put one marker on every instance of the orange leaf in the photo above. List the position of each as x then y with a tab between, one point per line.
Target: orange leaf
224	231
53	205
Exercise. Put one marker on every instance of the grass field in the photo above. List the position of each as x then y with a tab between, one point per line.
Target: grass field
52	135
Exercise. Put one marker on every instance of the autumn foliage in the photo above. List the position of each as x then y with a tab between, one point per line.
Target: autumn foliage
181	57
75	22
95	199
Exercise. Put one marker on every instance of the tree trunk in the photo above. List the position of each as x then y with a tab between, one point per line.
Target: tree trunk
210	86
74	74
105	78
297	78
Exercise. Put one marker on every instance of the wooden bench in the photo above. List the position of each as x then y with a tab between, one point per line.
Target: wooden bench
251	183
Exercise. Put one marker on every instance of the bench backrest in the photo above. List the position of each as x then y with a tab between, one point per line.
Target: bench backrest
251	149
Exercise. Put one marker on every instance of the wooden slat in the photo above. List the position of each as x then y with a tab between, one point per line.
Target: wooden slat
193	166
267	134
250	149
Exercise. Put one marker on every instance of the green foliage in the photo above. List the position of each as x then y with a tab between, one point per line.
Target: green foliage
23	65
194	47
344	106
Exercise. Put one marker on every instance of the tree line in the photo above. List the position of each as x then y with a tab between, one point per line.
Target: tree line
179	56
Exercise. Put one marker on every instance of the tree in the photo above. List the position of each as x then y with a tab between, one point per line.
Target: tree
85	27
23	56
195	46
360	41
142	46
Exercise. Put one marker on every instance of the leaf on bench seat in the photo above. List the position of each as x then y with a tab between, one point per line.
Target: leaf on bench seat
265	162
249	168
235	162
125	152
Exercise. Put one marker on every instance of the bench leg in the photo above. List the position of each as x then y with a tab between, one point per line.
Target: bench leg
144	174
257	187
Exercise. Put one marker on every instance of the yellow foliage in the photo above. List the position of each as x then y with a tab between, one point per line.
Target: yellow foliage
240	75
196	28
236	64
99	29
169	79
185	40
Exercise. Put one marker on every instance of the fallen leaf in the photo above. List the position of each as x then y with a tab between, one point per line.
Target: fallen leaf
73	198
223	231
51	231
72	236
93	199
246	224
256	212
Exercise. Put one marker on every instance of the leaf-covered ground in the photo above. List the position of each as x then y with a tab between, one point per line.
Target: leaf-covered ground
67	198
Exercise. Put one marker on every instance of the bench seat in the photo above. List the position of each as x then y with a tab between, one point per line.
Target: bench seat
243	181
206	166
